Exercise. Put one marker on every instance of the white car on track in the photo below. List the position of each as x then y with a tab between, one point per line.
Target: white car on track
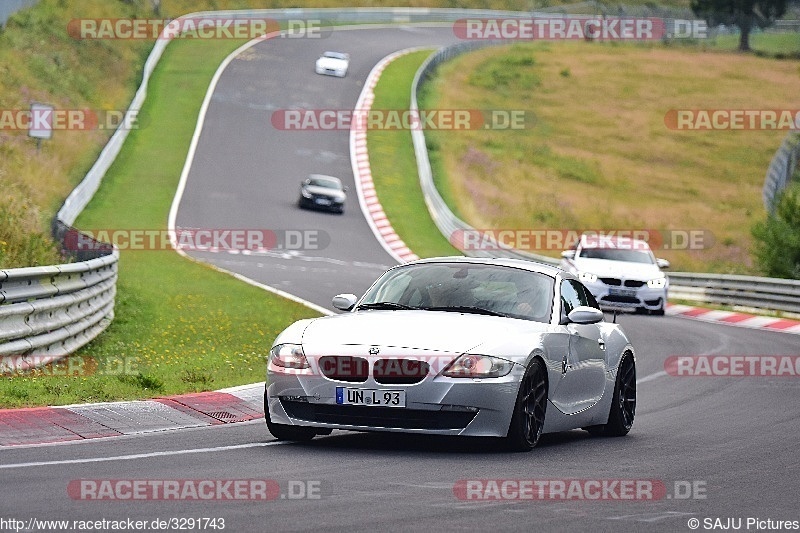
621	273
333	64
456	346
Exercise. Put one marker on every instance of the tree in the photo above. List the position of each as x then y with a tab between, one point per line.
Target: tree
745	14
777	245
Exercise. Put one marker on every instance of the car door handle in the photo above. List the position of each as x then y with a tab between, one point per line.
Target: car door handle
602	344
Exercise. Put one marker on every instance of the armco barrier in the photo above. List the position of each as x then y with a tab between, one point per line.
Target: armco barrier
441	214
745	291
781	169
51	311
729	289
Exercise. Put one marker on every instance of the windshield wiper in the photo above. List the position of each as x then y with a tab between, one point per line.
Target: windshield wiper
385	305
466	309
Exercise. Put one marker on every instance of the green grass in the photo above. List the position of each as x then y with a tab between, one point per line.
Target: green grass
394	167
39	62
779	45
599	155
180	326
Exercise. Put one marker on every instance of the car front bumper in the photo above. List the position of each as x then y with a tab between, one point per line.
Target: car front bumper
644	297
339	73
312	203
438	405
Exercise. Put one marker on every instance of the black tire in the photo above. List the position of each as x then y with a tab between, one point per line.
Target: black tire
623	404
529	410
285	431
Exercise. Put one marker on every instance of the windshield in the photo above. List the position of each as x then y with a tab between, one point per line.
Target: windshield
334	55
617	254
328	183
458	287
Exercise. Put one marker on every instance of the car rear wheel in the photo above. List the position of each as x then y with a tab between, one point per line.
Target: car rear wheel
623	404
529	411
285	431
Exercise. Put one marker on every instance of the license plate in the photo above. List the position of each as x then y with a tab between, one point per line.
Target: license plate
621	292
371	397
323	201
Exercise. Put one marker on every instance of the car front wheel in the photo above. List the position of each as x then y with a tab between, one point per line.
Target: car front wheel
527	421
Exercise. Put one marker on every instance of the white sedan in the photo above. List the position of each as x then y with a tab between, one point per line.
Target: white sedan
333	64
456	346
620	272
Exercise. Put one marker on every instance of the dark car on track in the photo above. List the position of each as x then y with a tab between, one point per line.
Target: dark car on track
322	192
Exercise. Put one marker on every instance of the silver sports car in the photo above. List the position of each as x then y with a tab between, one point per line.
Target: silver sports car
456	346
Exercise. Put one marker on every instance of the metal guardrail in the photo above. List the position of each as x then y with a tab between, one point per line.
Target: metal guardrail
447	222
721	289
51	311
734	290
781	169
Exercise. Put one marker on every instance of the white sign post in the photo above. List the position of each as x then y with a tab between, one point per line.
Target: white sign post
41	123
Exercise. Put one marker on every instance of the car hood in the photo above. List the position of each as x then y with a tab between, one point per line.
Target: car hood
332	63
438	331
618	269
324	191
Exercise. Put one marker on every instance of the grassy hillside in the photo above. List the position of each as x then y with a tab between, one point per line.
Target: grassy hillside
599	155
41	63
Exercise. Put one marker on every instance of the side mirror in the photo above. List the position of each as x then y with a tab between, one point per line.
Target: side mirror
306	181
585	315
662	263
345	302
568	254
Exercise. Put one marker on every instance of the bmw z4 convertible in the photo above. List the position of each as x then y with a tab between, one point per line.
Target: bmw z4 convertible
501	348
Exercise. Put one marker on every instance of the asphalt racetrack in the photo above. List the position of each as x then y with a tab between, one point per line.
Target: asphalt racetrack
717	448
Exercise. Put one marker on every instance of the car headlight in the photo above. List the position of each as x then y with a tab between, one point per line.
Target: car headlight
305	193
477	366
657	283
289	356
587	277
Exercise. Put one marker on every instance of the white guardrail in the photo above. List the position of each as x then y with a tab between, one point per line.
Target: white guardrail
733	290
51	311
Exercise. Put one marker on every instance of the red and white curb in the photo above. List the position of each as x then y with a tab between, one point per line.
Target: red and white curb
733	318
365	188
45	425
